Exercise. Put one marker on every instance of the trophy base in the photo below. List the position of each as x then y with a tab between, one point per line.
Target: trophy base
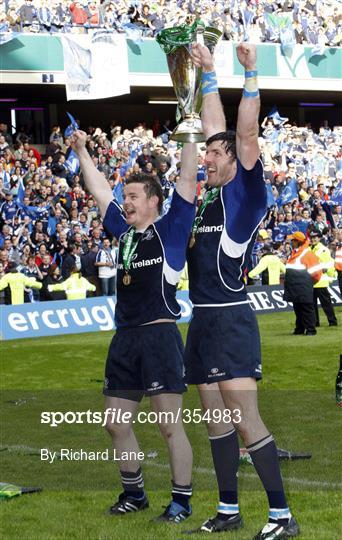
189	130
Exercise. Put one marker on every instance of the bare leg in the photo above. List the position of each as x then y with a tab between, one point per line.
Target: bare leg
180	451
122	434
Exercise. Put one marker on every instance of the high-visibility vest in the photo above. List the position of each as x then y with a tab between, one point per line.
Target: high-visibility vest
338	259
75	287
327	265
273	264
17	283
304	259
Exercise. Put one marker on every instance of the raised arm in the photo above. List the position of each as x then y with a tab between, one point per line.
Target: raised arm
94	180
247	129
4	282
186	185
32	282
213	119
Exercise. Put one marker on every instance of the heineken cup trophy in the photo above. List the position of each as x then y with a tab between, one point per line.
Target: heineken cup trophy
186	77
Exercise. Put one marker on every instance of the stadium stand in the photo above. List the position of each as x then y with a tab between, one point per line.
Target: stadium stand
300	21
45	210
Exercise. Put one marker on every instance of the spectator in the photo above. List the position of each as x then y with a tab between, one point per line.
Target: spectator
88	268
302	271
321	292
270	267
27	14
107	268
75	287
71	258
79	15
16	282
53	277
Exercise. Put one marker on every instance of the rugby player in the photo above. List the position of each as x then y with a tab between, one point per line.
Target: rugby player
222	355
146	354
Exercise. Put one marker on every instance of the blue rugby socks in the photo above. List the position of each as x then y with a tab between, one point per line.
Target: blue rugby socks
265	460
225	452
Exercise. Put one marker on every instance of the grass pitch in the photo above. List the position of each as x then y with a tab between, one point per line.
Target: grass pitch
64	373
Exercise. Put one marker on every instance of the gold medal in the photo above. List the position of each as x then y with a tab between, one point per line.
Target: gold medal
126	280
192	241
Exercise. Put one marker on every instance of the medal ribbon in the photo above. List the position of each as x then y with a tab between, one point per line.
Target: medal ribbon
210	197
129	249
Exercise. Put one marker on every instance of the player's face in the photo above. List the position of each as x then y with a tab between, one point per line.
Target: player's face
139	210
221	167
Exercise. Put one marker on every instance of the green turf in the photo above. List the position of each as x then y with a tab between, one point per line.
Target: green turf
63	373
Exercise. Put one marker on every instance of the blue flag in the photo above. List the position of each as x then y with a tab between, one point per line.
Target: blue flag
287	36
21	191
118	193
247	19
329	214
51	226
270	196
6	35
72	162
6	180
71	127
277	119
133	32
289	193
336	197
317	50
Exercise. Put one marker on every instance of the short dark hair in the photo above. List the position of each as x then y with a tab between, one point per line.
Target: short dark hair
228	142
151	187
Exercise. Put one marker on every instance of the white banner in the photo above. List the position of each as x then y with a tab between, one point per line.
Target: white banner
96	66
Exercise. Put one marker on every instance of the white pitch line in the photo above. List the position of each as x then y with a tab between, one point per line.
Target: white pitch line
204	470
200	470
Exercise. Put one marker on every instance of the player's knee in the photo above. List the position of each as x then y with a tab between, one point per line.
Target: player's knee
118	429
248	425
167	430
216	429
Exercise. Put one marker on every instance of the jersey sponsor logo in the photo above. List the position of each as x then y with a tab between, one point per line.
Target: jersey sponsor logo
143	263
210	228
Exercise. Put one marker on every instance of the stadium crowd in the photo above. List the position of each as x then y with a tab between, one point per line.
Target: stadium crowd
309	21
50	224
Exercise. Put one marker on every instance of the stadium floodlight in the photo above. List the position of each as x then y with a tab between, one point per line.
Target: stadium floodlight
162	102
306	104
28	108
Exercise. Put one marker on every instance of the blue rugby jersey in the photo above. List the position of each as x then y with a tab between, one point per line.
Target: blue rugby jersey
156	266
225	238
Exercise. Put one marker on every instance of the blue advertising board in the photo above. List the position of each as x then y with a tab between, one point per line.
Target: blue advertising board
97	314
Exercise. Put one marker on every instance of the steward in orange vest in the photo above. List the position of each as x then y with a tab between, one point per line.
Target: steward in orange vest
302	271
